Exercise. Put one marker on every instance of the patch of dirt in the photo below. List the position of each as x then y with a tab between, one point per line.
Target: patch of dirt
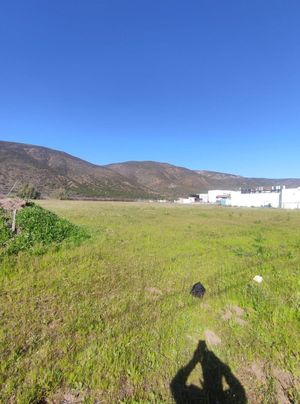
211	338
253	377
284	382
258	370
227	315
254	372
238	310
240	321
285	378
280	395
154	292
66	396
235	313
126	388
256	377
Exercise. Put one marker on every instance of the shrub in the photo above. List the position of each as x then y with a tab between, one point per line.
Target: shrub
28	192
39	228
5	234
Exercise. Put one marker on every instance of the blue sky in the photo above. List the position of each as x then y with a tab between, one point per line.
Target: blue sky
205	84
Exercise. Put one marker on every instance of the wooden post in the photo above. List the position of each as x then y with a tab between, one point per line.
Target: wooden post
13	226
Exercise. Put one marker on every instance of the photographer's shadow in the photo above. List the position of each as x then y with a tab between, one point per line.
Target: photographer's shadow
215	372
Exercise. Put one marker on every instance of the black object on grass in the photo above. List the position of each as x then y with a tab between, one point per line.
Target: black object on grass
198	290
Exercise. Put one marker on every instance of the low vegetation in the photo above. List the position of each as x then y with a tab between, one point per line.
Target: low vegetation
112	319
37	229
61	194
28	191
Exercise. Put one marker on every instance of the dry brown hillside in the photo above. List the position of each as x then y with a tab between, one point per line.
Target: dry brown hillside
49	170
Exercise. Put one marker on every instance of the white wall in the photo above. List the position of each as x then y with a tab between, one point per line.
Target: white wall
203	197
256	200
185	200
236	198
290	198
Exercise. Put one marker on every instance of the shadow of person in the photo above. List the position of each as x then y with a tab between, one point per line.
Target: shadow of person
215	372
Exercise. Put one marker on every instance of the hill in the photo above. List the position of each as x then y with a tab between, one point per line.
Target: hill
230	181
168	180
49	170
171	181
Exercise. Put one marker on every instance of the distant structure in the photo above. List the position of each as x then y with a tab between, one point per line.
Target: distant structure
271	197
196	198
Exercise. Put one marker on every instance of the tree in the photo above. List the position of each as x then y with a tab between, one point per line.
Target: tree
28	192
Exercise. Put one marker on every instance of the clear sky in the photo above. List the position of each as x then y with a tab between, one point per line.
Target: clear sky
205	84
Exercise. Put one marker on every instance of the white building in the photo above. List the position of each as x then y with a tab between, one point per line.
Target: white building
286	198
217	195
189	200
290	198
273	197
197	198
203	198
256	200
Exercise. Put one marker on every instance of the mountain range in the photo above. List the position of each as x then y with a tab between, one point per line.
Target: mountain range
50	170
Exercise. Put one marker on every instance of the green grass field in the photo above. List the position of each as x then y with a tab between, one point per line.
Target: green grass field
112	319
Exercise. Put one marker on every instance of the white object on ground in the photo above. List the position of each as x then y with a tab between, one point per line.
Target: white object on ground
258	279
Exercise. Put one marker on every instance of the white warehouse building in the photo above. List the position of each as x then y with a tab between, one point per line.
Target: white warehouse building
290	198
286	198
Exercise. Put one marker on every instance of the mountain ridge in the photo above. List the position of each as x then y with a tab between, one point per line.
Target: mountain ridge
49	170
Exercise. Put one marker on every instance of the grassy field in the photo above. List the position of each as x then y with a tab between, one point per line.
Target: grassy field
112	320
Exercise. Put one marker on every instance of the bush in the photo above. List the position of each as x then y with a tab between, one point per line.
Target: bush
39	228
5	234
28	192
